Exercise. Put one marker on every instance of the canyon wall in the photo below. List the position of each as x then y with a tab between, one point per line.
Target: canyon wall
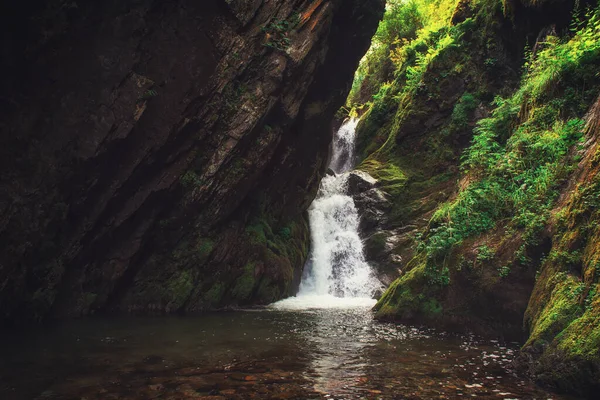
159	156
480	124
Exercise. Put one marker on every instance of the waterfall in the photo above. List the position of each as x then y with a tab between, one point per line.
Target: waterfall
336	268
342	157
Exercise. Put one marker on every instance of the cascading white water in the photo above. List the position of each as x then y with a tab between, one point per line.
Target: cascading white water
342	157
337	265
336	273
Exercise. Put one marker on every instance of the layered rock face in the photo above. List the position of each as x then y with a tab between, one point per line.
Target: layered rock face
159	156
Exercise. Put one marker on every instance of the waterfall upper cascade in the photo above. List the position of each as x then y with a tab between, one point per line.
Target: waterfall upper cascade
336	273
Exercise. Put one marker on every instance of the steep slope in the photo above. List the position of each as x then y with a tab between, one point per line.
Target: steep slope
563	315
487	152
158	156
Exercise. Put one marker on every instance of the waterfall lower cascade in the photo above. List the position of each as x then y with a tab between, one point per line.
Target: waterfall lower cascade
336	273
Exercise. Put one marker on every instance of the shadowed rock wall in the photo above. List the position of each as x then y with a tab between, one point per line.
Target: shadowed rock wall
159	156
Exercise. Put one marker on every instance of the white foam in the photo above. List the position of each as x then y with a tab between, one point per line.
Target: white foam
342	157
307	302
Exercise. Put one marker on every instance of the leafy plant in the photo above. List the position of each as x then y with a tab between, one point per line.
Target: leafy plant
148	94
519	156
277	32
485	253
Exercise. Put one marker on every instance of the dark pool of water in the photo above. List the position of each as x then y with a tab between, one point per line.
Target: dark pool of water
267	354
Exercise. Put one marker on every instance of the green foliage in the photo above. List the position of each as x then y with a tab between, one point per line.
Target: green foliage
504	271
436	275
565	258
485	149
517	164
401	21
485	253
591	297
559	57
462	113
285	232
233	96
190	180
148	94
277	32
395	78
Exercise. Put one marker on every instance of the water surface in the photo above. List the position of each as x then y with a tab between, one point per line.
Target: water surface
314	346
329	353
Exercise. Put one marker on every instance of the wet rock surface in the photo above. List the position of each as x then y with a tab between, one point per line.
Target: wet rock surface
373	205
371	202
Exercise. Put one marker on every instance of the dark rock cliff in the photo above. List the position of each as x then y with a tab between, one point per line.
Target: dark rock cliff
159	156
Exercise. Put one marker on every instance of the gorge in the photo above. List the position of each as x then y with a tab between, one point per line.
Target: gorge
234	199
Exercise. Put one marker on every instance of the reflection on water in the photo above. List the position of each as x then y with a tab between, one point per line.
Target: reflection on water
275	353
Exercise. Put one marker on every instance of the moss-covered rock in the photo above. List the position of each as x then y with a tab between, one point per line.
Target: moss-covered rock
493	181
413	133
563	315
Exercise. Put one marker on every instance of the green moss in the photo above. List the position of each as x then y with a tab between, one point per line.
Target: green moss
258	231
285	232
190	180
410	297
245	283
582	336
204	248
280	247
214	295
391	177
178	289
432	307
268	292
564	311
560	310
